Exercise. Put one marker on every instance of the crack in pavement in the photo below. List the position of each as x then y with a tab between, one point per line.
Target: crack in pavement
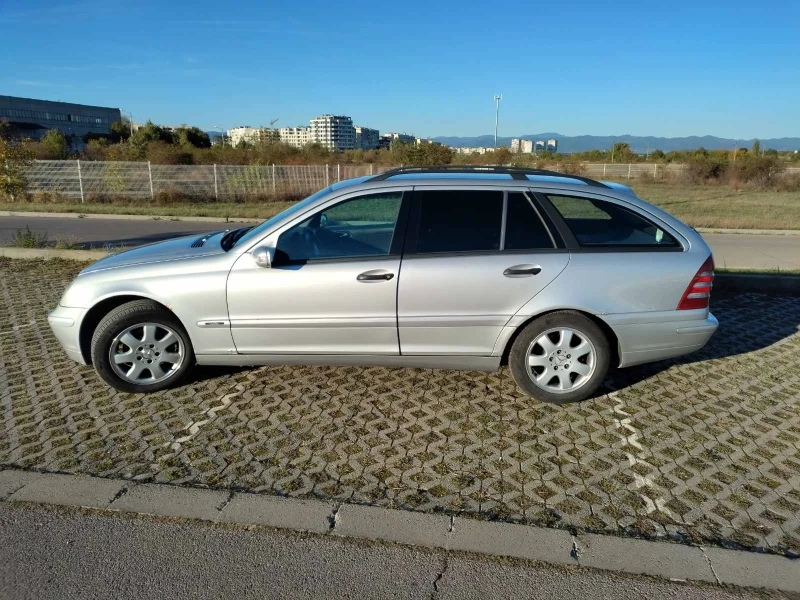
333	519
445	564
710	565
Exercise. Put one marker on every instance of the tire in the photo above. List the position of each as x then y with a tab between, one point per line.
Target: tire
585	372
160	354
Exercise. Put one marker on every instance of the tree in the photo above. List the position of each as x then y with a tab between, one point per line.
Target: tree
502	156
756	149
147	134
120	131
192	136
658	154
621	153
15	157
53	145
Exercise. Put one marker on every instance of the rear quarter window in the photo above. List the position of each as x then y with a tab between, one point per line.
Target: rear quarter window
597	223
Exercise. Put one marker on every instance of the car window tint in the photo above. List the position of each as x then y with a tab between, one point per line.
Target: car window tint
362	226
599	223
524	228
459	220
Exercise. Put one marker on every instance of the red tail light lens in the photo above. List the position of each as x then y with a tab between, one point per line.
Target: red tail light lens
698	294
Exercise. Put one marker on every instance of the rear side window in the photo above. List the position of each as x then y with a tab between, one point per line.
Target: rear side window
524	228
596	223
459	220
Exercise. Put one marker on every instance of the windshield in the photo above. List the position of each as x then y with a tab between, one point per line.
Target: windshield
257	232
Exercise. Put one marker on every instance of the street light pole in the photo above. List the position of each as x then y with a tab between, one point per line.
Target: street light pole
222	132
497	98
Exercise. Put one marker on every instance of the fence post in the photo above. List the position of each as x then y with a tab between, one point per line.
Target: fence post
273	179
150	174
216	189
80	180
629	170
370	168
655	170
604	169
326	175
338	172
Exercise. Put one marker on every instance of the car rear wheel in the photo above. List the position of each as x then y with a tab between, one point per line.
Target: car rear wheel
141	347
561	357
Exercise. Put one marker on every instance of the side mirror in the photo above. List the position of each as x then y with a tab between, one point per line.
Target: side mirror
263	256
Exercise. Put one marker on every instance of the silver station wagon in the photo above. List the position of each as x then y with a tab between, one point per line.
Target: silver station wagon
559	277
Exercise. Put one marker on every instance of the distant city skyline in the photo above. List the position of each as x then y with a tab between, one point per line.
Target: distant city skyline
694	69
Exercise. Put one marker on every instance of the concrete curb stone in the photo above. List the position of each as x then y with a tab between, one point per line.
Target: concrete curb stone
72	490
269	511
403	527
171	501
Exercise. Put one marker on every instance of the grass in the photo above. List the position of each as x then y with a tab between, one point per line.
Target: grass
711	206
723	206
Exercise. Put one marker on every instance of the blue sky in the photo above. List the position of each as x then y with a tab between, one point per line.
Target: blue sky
430	68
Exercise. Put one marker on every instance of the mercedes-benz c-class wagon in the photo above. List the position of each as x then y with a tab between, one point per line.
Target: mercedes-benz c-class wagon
559	277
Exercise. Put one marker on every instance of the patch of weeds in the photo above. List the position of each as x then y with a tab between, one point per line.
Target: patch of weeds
25	238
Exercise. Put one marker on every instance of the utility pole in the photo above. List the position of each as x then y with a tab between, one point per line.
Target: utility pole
222	132
497	98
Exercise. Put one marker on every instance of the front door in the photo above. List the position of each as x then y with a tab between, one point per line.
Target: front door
474	258
332	287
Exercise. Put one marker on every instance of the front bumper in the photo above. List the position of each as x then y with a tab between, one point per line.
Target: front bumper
648	342
66	323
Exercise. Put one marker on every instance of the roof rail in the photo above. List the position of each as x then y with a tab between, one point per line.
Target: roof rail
517	173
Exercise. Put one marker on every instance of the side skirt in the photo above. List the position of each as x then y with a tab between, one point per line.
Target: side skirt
463	363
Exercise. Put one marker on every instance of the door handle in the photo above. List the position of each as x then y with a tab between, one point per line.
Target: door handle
376	275
522	270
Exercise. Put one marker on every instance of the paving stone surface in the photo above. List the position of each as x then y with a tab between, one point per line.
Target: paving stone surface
705	448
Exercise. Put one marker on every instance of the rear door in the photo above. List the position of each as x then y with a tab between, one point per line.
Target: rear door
473	257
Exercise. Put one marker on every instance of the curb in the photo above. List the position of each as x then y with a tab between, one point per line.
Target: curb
444	532
749	231
75	215
738	283
49	253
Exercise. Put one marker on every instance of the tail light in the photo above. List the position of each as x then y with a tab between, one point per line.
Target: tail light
698	294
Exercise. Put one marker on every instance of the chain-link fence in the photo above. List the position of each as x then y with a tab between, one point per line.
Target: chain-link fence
224	183
89	181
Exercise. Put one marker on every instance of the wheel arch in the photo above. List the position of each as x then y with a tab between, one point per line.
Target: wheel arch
96	314
604	327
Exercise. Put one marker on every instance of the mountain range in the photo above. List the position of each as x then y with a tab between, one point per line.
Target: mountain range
639	144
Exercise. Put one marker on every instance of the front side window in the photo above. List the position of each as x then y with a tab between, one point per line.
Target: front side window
459	220
362	226
596	223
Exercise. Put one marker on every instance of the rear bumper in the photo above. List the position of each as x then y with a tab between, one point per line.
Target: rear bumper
647	342
65	323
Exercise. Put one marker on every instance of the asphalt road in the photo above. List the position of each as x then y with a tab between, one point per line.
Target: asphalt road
54	553
730	250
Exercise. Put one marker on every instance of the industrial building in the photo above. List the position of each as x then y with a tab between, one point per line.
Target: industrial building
30	118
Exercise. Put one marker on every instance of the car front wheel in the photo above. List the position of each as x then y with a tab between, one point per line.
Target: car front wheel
560	357
141	347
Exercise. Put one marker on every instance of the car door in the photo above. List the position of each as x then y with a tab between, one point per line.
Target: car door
474	256
332	284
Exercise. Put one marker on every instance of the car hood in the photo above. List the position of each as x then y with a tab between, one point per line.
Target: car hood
192	246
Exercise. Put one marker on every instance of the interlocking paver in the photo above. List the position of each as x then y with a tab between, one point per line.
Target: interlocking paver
705	448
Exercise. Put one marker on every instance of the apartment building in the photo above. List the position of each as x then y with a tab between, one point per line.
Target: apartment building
403	138
367	138
335	132
296	136
251	135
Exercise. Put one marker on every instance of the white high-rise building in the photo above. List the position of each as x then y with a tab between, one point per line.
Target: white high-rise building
335	132
296	136
366	138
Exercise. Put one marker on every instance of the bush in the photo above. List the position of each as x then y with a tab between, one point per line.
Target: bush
704	168
25	238
759	170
